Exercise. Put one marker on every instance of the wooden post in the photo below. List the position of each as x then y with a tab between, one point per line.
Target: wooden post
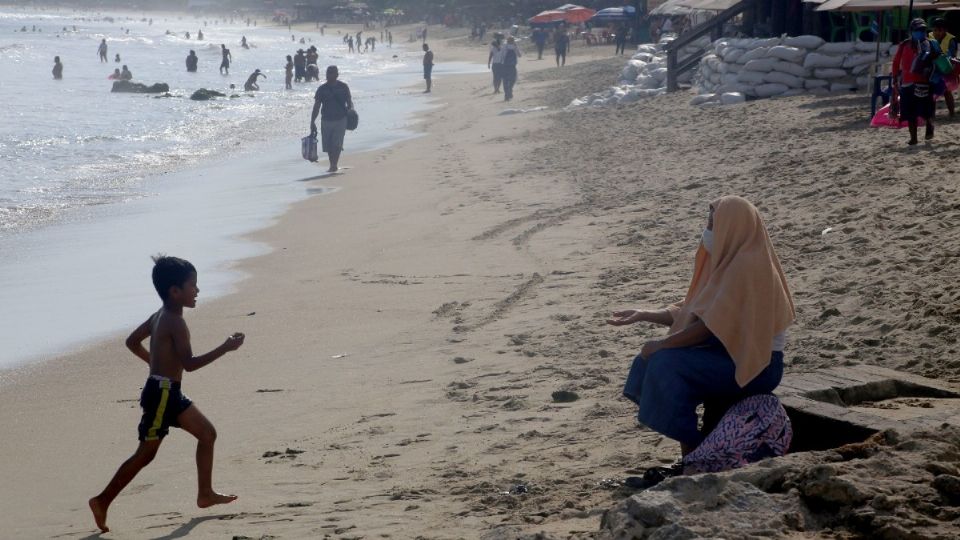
672	85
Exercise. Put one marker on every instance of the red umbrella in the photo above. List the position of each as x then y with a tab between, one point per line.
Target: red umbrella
576	14
549	16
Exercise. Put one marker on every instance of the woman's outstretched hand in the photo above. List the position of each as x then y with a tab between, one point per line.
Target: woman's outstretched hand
622	318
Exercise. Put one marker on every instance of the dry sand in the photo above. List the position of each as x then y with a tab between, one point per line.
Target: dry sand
406	334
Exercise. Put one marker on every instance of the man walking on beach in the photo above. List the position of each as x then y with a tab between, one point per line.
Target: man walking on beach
331	102
427	66
561	45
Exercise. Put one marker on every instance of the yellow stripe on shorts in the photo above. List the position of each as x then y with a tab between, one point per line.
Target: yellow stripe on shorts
158	420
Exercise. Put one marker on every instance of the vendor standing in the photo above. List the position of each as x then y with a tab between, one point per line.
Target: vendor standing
948	46
912	69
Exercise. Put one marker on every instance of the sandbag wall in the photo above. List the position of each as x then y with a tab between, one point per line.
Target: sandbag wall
644	75
786	66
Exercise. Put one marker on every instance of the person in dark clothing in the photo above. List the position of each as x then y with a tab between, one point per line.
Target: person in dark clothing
621	40
540	40
427	67
299	66
331	102
192	62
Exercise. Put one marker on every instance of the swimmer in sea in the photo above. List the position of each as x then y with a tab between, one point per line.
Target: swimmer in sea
227	57
125	74
102	50
117	59
115	76
251	83
57	68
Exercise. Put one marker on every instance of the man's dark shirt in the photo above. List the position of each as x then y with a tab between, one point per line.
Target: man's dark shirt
333	98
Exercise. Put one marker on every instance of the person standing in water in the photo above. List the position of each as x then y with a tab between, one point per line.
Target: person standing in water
200	35
192	62
102	50
427	67
331	102
227	57
243	42
117	58
57	68
288	73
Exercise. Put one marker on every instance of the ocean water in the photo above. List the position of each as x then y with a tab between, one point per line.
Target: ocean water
92	182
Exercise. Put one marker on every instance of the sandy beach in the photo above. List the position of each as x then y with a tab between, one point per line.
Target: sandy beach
407	331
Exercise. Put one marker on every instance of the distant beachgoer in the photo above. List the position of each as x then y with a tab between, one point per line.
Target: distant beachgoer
912	69
251	83
192	62
115	76
57	68
373	43
117	58
125	74
312	58
621	40
164	404
299	66
331	102
225	62
186	35
948	46
539	38
511	55
288	73
390	39
427	67
243	42
561	45
495	63
350	43
102	50
726	340
200	35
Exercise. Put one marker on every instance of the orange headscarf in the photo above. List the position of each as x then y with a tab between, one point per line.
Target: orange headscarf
739	290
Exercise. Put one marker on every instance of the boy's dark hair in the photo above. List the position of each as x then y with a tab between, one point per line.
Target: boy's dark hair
169	272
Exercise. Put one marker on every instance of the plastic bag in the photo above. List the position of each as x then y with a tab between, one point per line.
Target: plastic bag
308	147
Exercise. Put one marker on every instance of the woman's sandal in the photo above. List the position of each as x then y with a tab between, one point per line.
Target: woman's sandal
653	476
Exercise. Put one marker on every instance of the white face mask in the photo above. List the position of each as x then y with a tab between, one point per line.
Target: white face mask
707	240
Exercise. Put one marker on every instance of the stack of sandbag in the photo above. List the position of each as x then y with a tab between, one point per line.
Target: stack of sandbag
772	67
644	75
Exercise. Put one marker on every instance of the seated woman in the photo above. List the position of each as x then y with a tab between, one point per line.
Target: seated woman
726	338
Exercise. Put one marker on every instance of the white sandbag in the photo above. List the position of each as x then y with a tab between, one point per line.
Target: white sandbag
767	43
811	84
760	64
870	46
631	70
790	54
643	57
646	81
576	103
791	68
817	60
829	73
806	42
729	78
770	89
783	78
647	48
753	54
843	47
659	73
703	98
714	79
861	69
732	55
750	77
855	60
731	98
838	87
733	87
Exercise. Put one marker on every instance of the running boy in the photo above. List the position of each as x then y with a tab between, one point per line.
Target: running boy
162	402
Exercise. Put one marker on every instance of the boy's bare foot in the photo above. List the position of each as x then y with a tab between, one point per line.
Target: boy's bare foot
214	498
99	514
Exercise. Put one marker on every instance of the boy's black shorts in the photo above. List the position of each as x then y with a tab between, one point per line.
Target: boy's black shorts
162	402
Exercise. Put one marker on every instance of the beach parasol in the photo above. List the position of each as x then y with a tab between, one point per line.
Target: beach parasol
548	17
575	14
614	14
